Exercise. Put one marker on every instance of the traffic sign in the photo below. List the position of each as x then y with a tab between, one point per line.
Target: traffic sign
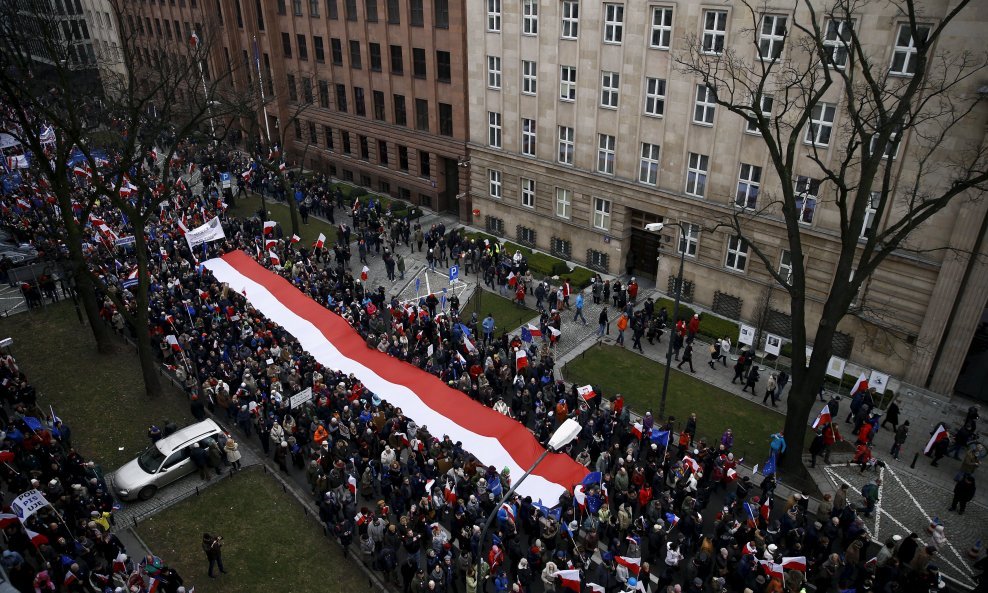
454	273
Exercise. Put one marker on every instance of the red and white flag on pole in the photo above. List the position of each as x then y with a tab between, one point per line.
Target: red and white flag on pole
275	260
295	239
351	485
586	392
194	40
861	385
595	588
794	563
173	342
269	227
569	579
320	241
632	564
939	435
521	359
270	243
823	418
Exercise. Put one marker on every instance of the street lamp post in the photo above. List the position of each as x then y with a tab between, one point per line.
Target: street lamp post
564	435
655	228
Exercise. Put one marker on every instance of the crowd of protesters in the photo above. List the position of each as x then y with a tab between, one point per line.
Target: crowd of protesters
410	502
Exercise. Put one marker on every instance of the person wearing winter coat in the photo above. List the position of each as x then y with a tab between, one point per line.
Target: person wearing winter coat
232	451
548	580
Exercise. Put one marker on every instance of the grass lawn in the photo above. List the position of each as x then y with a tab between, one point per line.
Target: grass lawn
100	397
616	370
507	315
269	543
248	207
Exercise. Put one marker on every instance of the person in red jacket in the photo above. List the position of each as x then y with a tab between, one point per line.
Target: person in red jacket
694	326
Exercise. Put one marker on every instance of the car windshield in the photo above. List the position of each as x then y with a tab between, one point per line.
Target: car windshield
150	460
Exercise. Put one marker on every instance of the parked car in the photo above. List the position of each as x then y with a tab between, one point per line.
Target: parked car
163	462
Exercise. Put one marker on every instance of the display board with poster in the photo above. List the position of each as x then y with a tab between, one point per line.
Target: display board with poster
773	344
747	335
879	381
835	368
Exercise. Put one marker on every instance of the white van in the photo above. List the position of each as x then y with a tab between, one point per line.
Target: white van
163	462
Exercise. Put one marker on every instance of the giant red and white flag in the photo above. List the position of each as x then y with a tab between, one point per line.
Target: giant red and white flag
939	435
493	438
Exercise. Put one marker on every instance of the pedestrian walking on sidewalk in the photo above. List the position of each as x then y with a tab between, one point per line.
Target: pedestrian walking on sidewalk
622	325
963	493
751	380
687	357
900	437
603	324
770	388
579	309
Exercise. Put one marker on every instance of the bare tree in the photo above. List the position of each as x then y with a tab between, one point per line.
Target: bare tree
788	95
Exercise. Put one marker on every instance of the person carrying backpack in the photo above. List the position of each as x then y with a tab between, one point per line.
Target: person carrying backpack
870	494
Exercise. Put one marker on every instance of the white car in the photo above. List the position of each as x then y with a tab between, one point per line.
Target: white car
163	462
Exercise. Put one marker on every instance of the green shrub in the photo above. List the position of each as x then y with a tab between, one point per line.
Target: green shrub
357	192
580	277
711	326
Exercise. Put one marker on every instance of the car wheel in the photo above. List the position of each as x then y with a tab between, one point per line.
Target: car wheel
147	492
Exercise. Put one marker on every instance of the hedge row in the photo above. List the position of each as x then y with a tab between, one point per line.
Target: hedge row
711	326
541	264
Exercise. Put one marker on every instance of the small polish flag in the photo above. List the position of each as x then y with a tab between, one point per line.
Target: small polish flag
71	578
282	167
269	227
636	429
204	295
82	172
509	511
36	538
555	333
429	485
536	332
172	341
269	243
120	563
861	385
181	226
23	204
794	563
772	569
194	40
170	319
749	548
632	564
8	519
512	280
320	241
586	392
360	519
938	436
296	239
153	153
275	260
580	496
246	174
364	272
521	359
351	485
823	418
595	588
692	463
569	579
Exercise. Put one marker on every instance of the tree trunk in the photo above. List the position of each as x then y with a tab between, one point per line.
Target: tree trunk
142	334
292	204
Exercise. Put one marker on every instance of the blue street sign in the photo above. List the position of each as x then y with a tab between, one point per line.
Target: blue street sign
454	273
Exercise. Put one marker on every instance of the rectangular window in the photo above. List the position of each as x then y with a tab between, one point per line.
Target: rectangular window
766	106
737	254
648	171
394	12
364	147
610	83
530	17
378	99
324	94
567	144
370	10
358	102
350	9
891	148
689	242
422	115
494	183
444	70
527	192
307	89
416	13
874	199
714	31
661	27
807	190
297	7
785	265
425	165
493	72
494	129
403	158
286	45
319	49
821	124
345	141
705	106
336	46
282	10
613	23
905	52
493	16
445	119
601	214
696	174
655	96
397	60
749	182
528	137
332	10
341	98
303	50
327	132
837	41
529	77
418	62
606	145
564	202
400	118
382	152
292	89
441	10
772	36
355	61
571	19
567	83
374	49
